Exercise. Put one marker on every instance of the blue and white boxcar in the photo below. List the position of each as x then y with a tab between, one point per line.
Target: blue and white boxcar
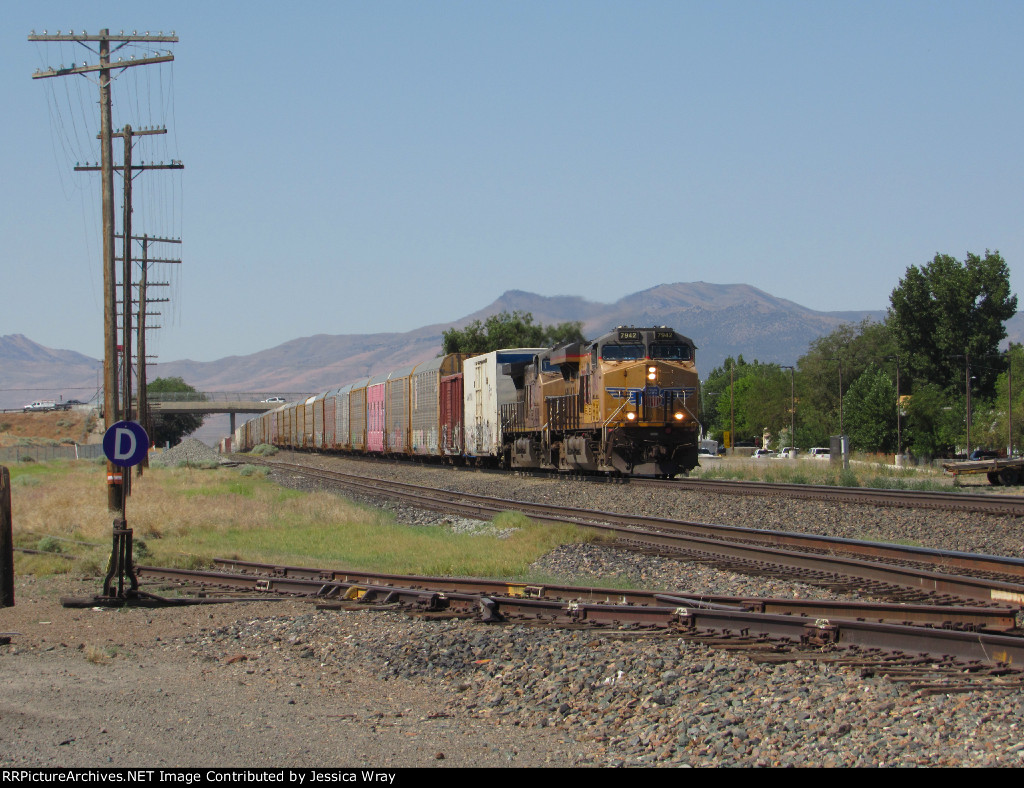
485	390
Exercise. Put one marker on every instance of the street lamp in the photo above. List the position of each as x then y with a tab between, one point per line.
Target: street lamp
792	402
841	433
967	385
1009	404
732	413
899	437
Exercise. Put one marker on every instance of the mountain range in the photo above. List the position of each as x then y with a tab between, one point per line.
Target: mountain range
723	320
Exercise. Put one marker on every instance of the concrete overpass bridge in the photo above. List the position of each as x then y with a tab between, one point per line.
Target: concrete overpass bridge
203	403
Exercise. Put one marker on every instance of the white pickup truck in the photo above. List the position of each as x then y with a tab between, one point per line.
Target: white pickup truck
40	405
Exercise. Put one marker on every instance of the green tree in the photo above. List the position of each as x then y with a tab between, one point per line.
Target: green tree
762	399
871	411
506	330
991	422
172	427
853	346
752	397
934	421
946	310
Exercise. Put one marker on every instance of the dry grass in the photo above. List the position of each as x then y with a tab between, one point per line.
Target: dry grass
16	428
185	517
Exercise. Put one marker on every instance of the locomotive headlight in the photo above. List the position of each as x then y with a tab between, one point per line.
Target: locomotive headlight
680	416
631	416
652	373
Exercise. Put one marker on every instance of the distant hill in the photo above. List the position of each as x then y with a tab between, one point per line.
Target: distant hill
722	320
29	371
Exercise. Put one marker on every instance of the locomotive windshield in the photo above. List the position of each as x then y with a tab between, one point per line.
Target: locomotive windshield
671	352
623	352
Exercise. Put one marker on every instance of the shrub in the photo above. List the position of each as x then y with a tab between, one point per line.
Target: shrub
847	478
264	450
140	550
49	545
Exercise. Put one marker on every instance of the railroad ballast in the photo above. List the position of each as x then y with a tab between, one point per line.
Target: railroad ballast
624	403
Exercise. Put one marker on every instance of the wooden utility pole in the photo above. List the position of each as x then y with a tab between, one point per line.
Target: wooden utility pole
144	300
6	541
104	39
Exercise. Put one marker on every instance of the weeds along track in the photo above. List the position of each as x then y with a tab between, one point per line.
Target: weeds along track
884	570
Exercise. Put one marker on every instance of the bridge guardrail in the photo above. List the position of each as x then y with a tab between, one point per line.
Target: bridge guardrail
223	396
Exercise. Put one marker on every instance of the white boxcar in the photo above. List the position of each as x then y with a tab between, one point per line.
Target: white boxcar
485	390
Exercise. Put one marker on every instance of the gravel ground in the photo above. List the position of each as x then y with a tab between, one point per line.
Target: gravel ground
282	684
189	452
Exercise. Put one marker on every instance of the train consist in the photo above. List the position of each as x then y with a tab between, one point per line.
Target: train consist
625	403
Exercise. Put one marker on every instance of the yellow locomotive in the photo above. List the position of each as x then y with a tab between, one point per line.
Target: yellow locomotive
624	403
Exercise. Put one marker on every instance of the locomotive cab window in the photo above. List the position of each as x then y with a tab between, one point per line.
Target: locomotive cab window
623	352
674	352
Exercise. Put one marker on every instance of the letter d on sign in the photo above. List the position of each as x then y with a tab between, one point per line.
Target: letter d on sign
125	443
124	451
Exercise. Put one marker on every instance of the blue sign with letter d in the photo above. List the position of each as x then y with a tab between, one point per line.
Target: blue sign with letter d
125	443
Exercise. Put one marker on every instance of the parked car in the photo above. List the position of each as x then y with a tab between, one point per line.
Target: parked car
784	452
761	454
702	452
984	454
820	453
274	399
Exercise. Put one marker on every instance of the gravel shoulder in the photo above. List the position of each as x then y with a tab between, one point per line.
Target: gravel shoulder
222	685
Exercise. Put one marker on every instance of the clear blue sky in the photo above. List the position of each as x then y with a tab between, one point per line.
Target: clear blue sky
378	166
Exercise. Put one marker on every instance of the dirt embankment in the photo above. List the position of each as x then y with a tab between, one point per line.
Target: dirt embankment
72	425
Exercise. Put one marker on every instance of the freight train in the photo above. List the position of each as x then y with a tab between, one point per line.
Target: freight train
623	404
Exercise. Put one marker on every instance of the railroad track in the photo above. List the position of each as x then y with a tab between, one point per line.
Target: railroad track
956	640
908	573
977	503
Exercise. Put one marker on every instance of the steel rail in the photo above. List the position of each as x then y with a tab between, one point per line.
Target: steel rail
941	559
979	503
979	647
948	616
758	548
919	499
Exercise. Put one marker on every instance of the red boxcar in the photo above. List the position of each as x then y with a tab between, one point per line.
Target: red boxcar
451	414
